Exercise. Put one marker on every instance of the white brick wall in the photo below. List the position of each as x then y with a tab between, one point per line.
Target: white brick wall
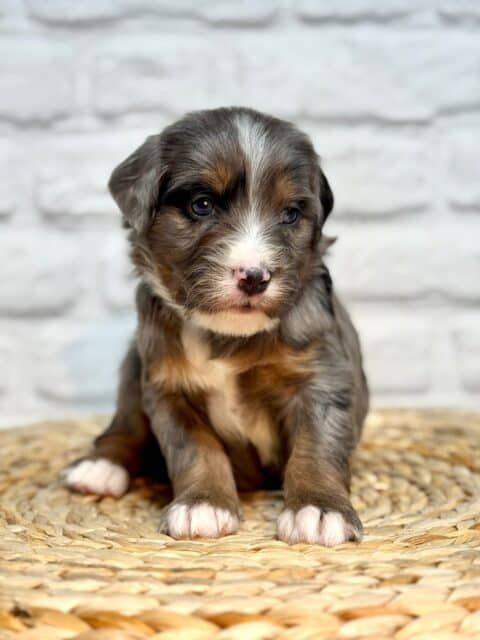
390	92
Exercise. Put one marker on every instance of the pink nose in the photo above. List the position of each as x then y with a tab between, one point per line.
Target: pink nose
252	279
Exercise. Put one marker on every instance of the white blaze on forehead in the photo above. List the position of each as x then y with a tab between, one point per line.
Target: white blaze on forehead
253	141
251	245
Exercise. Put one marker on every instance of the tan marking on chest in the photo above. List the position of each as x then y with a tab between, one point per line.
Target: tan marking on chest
229	413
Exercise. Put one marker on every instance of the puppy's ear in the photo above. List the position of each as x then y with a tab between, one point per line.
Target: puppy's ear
326	195
135	184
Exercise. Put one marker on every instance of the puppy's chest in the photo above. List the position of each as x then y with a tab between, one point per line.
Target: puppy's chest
236	420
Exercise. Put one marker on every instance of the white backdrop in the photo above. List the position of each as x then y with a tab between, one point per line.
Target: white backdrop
390	92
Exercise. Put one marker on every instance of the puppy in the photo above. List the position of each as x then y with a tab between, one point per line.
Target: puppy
245	371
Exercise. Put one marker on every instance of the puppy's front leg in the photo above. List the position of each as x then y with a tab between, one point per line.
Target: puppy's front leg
317	479
205	497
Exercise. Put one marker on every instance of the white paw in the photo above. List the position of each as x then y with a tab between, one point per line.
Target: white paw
313	526
102	477
199	521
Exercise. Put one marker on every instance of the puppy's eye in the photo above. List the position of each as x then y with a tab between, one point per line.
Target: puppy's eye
202	206
290	215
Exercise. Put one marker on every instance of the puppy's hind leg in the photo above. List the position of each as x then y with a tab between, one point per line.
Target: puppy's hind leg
127	448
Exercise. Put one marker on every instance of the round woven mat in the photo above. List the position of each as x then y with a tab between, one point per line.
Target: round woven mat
79	567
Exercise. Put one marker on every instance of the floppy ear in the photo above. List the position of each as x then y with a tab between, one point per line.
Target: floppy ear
326	195
135	184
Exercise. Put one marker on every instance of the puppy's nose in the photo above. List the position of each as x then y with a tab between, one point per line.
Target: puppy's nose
252	279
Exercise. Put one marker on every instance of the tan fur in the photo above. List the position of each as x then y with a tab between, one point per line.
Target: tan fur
279	371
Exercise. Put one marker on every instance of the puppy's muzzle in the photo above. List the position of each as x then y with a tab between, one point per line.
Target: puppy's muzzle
252	280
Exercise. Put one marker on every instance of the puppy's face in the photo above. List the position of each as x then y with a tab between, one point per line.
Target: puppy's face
226	208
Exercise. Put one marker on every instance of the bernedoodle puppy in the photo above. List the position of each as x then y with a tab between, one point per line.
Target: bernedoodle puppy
245	371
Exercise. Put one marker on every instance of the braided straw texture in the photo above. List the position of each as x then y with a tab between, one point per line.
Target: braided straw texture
80	567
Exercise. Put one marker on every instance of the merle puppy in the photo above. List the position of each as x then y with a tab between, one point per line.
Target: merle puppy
245	370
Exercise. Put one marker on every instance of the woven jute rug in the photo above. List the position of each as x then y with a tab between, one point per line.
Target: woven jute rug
79	567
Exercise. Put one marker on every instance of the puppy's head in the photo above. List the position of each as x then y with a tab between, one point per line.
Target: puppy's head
226	209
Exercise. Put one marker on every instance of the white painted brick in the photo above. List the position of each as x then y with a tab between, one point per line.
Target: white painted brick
462	162
236	12
117	281
460	10
340	75
374	263
388	11
6	356
375	172
408	260
9	184
359	75
36	83
17	397
65	11
406	195
397	352
169	74
72	171
11	13
467	342
78	363
458	262
348	10
364	73
39	274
